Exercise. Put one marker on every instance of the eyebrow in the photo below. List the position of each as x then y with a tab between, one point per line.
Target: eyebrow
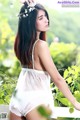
40	16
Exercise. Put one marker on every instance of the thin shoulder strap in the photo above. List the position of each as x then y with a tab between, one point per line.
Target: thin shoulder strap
33	53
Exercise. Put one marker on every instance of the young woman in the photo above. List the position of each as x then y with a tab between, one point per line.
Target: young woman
33	87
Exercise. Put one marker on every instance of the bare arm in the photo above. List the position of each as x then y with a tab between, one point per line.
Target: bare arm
58	80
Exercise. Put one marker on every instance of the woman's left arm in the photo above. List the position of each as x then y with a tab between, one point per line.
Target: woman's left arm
58	80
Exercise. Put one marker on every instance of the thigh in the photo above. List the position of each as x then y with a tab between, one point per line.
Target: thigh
13	116
34	115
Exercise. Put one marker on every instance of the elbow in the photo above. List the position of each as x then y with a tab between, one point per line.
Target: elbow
58	80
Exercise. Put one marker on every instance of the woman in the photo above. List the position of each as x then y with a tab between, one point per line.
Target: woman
33	87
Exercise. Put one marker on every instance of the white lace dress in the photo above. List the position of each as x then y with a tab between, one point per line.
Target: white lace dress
33	89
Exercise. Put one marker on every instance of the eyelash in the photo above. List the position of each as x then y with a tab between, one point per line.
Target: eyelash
40	18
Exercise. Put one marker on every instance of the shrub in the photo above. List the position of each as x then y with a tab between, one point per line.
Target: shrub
63	55
8	79
72	77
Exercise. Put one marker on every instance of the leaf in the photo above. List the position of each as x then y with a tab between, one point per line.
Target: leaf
65	102
71	110
44	111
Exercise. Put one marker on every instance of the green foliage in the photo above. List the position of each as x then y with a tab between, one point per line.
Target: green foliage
7	85
68	118
8	79
65	28
71	110
63	55
72	77
78	57
9	10
9	66
45	112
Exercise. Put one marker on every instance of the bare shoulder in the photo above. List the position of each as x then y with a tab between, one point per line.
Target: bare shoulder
42	48
42	44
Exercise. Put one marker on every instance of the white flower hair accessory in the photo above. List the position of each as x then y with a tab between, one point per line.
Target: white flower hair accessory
29	2
27	11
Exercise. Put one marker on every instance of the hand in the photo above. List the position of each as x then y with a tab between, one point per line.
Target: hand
77	105
28	1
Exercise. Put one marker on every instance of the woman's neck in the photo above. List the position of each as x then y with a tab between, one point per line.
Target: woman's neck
38	34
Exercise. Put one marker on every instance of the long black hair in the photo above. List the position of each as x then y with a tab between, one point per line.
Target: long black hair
26	34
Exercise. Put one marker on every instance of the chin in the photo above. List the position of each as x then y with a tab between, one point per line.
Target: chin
46	29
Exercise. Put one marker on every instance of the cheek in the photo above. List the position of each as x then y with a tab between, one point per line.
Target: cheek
39	26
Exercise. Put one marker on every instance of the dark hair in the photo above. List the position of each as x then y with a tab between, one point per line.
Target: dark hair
26	34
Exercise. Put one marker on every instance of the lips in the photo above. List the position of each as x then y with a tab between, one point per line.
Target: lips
47	25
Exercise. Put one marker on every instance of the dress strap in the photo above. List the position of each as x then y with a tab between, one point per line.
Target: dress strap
33	53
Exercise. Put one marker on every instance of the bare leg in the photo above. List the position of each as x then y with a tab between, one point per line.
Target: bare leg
34	115
13	116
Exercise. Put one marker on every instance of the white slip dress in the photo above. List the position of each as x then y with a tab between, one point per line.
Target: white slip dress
33	89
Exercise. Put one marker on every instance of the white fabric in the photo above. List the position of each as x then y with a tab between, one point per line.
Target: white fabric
33	89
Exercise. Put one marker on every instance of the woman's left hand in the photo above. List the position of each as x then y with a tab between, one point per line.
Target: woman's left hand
77	105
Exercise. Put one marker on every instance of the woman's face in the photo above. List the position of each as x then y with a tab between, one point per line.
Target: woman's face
42	21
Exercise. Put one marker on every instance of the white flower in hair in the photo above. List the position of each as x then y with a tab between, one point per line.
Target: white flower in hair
24	15
32	4
31	9
25	10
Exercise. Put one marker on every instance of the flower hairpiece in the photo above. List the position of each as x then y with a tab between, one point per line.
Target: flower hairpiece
27	11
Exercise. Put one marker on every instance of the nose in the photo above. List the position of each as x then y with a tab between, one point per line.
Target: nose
46	20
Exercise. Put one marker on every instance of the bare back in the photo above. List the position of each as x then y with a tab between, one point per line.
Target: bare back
36	59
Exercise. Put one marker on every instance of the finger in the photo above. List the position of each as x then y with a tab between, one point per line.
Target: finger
22	1
30	1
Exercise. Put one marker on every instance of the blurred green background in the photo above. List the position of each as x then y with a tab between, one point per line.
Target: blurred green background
63	38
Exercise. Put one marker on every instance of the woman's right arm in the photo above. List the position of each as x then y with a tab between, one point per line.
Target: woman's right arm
50	67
